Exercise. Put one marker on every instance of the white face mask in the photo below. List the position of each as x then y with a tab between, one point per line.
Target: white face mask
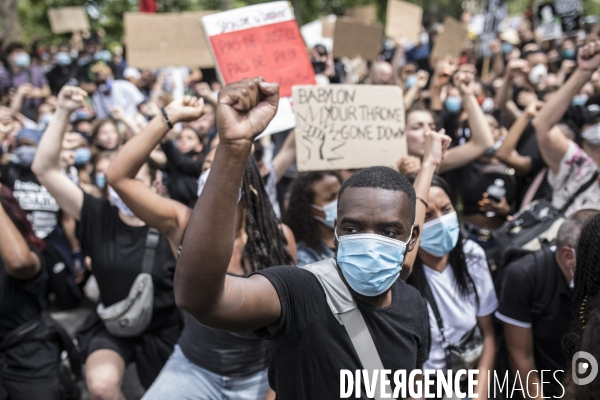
538	74
592	135
116	201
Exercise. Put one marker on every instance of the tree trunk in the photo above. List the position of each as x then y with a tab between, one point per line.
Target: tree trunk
225	5
9	17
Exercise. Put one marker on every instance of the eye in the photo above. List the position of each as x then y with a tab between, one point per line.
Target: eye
350	230
389	233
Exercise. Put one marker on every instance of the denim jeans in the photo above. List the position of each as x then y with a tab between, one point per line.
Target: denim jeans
181	379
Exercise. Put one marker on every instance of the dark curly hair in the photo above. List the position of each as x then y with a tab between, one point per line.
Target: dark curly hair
298	215
586	294
266	245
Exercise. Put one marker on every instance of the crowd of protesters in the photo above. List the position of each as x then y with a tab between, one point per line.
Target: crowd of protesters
194	240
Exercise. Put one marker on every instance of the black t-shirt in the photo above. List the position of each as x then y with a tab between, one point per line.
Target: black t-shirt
516	301
310	347
41	208
59	76
117	251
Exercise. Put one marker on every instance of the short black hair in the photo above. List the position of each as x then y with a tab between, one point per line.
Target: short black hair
382	178
14	46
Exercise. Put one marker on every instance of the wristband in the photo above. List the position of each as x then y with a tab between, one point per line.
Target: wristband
166	118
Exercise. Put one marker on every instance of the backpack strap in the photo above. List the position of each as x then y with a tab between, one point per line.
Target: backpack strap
436	312
581	189
545	281
152	239
344	308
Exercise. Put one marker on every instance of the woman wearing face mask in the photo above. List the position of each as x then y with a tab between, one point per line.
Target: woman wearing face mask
117	243
454	271
311	214
207	363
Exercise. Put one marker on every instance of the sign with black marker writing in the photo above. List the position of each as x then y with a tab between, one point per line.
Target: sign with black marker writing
348	126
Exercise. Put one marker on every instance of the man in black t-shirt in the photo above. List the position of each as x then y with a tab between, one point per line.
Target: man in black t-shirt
535	343
287	305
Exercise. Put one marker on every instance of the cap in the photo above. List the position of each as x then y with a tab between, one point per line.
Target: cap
510	36
31	134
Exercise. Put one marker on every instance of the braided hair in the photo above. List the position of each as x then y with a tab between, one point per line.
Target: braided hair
586	293
266	245
298	215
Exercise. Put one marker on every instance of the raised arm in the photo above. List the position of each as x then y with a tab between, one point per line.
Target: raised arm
553	144
436	144
202	286
168	216
19	261
46	163
507	152
481	134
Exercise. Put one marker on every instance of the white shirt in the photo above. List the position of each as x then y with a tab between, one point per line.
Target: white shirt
123	94
459	313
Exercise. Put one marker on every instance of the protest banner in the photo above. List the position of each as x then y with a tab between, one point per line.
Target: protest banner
165	40
68	19
403	19
348	126
549	26
365	14
259	40
570	13
354	38
451	42
495	13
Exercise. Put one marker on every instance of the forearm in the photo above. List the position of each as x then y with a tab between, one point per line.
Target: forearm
513	137
436	98
16	103
208	243
481	133
410	96
486	364
48	151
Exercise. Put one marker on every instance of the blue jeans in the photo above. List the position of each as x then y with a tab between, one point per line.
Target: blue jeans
181	379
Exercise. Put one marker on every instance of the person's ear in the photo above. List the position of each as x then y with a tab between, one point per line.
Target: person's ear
567	255
416	232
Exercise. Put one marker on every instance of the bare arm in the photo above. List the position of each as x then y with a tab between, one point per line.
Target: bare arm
481	134
519	342
202	286
553	144
168	216
19	262
46	163
435	146
486	362
286	156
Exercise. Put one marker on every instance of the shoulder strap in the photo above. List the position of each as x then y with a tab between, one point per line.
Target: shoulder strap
436	312
545	279
152	239
345	310
581	189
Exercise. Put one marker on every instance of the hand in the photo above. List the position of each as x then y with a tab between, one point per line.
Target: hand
117	113
443	71
422	79
568	66
245	109
533	108
66	159
436	144
495	46
71	98
203	89
408	165
72	140
402	41
588	57
516	67
6	122
501	208
25	90
464	82
186	109
525	98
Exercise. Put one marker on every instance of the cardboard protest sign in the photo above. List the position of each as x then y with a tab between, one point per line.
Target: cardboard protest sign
284	120
165	40
549	25
365	14
354	38
451	42
495	13
259	40
328	26
348	126
68	19
403	19
570	13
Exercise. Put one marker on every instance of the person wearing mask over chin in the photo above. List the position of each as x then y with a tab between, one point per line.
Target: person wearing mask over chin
452	274
113	92
377	227
20	75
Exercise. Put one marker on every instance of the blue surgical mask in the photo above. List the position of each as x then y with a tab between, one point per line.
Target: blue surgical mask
44	120
580	100
440	235
100	180
453	104
102	55
568	54
25	154
370	263
82	155
63	58
411	81
507	47
22	60
330	210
